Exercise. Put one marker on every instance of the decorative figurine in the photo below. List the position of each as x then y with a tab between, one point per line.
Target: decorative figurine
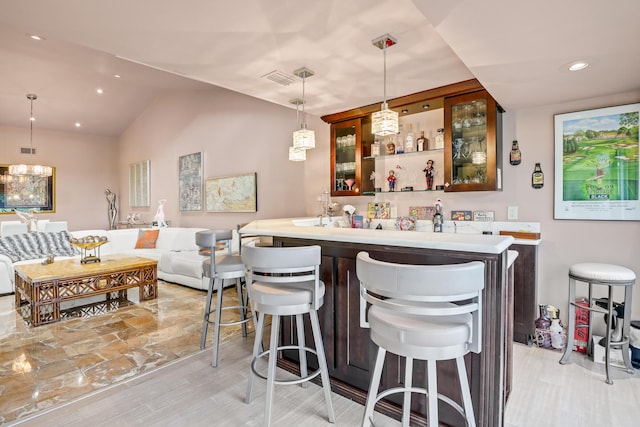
159	218
392	180
112	208
428	173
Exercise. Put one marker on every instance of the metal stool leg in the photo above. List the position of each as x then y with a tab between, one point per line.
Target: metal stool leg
626	328
367	419
466	393
432	393
607	339
207	313
406	403
572	322
216	325
271	370
322	362
302	354
243	306
257	349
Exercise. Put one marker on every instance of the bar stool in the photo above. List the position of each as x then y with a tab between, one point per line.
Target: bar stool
218	270
286	282
424	312
612	276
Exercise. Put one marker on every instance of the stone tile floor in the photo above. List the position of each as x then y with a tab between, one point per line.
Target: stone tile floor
44	366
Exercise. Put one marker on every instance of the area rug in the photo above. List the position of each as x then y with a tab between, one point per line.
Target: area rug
45	366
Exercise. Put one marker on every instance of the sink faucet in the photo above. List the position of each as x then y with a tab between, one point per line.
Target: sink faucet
326	202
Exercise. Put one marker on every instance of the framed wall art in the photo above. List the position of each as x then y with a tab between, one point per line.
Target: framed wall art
596	164
190	182
26	192
236	193
139	183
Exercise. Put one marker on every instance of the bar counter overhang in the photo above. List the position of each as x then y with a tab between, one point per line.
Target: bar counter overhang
349	350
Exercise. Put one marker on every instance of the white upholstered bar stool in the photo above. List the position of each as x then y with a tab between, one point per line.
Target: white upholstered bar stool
218	269
423	312
286	282
612	276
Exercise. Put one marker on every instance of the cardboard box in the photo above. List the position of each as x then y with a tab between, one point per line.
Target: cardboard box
615	358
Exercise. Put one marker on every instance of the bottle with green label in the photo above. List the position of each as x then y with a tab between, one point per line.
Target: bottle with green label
537	177
514	156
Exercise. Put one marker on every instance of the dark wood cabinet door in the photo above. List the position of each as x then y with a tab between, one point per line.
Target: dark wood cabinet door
525	285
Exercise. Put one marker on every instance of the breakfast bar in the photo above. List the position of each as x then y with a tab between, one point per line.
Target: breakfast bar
350	353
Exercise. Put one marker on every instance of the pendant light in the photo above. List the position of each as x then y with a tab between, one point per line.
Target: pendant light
385	121
297	154
303	137
30	169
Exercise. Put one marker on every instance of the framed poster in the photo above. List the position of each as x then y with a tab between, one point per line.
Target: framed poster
596	164
26	192
235	193
190	182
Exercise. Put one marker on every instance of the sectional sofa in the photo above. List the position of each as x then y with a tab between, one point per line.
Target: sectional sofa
174	249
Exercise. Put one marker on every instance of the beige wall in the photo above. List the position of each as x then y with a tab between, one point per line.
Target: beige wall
85	168
237	134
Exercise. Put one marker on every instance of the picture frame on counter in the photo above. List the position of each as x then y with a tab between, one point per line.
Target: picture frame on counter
596	164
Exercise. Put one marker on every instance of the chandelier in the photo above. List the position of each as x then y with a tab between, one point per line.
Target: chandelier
30	169
385	121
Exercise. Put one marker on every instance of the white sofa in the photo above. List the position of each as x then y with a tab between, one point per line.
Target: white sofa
175	251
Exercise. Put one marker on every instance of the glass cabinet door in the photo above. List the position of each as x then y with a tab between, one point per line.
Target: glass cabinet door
472	157
346	148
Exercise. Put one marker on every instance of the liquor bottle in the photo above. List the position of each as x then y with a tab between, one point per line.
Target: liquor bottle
439	144
400	140
423	143
375	147
537	177
409	140
515	156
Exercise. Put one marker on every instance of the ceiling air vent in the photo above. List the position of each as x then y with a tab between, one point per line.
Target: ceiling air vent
279	77
24	150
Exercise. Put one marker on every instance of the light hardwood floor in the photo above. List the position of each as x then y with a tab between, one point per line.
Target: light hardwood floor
190	392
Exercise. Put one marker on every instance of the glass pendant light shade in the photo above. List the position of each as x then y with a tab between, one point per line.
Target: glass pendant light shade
34	170
304	138
384	122
31	170
297	154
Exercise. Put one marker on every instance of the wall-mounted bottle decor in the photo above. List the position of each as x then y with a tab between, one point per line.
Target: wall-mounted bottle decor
537	177
515	156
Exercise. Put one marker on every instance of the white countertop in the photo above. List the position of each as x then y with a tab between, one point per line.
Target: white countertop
492	244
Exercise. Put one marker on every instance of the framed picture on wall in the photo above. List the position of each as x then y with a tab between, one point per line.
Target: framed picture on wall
139	183
236	193
190	182
596	164
26	193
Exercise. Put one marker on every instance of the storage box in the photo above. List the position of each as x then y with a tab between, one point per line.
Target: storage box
615	357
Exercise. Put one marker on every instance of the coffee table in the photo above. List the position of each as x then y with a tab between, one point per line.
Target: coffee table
41	288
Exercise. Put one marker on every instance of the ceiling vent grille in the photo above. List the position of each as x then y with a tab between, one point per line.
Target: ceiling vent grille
24	150
280	77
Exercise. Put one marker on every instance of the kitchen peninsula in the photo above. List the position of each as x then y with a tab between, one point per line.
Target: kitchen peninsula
350	353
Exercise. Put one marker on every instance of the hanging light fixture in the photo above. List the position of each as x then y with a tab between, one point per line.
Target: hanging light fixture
385	121
29	169
303	137
297	154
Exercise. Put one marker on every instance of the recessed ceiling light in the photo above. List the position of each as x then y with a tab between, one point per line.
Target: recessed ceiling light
78	124
99	91
36	37
117	76
405	111
578	65
425	106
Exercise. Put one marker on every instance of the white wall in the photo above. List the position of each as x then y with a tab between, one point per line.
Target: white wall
564	242
237	134
85	168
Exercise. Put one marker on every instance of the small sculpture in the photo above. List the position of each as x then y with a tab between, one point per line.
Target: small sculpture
392	180
112	208
28	218
159	218
429	171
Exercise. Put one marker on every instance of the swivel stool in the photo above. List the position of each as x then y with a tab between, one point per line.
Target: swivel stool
286	282
218	269
612	276
423	312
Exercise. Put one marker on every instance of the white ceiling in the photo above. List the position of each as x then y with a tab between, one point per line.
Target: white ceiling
518	50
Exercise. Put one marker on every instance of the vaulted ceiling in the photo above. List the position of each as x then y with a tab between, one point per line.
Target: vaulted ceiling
519	51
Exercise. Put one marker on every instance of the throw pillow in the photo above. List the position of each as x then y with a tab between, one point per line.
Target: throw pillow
147	239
